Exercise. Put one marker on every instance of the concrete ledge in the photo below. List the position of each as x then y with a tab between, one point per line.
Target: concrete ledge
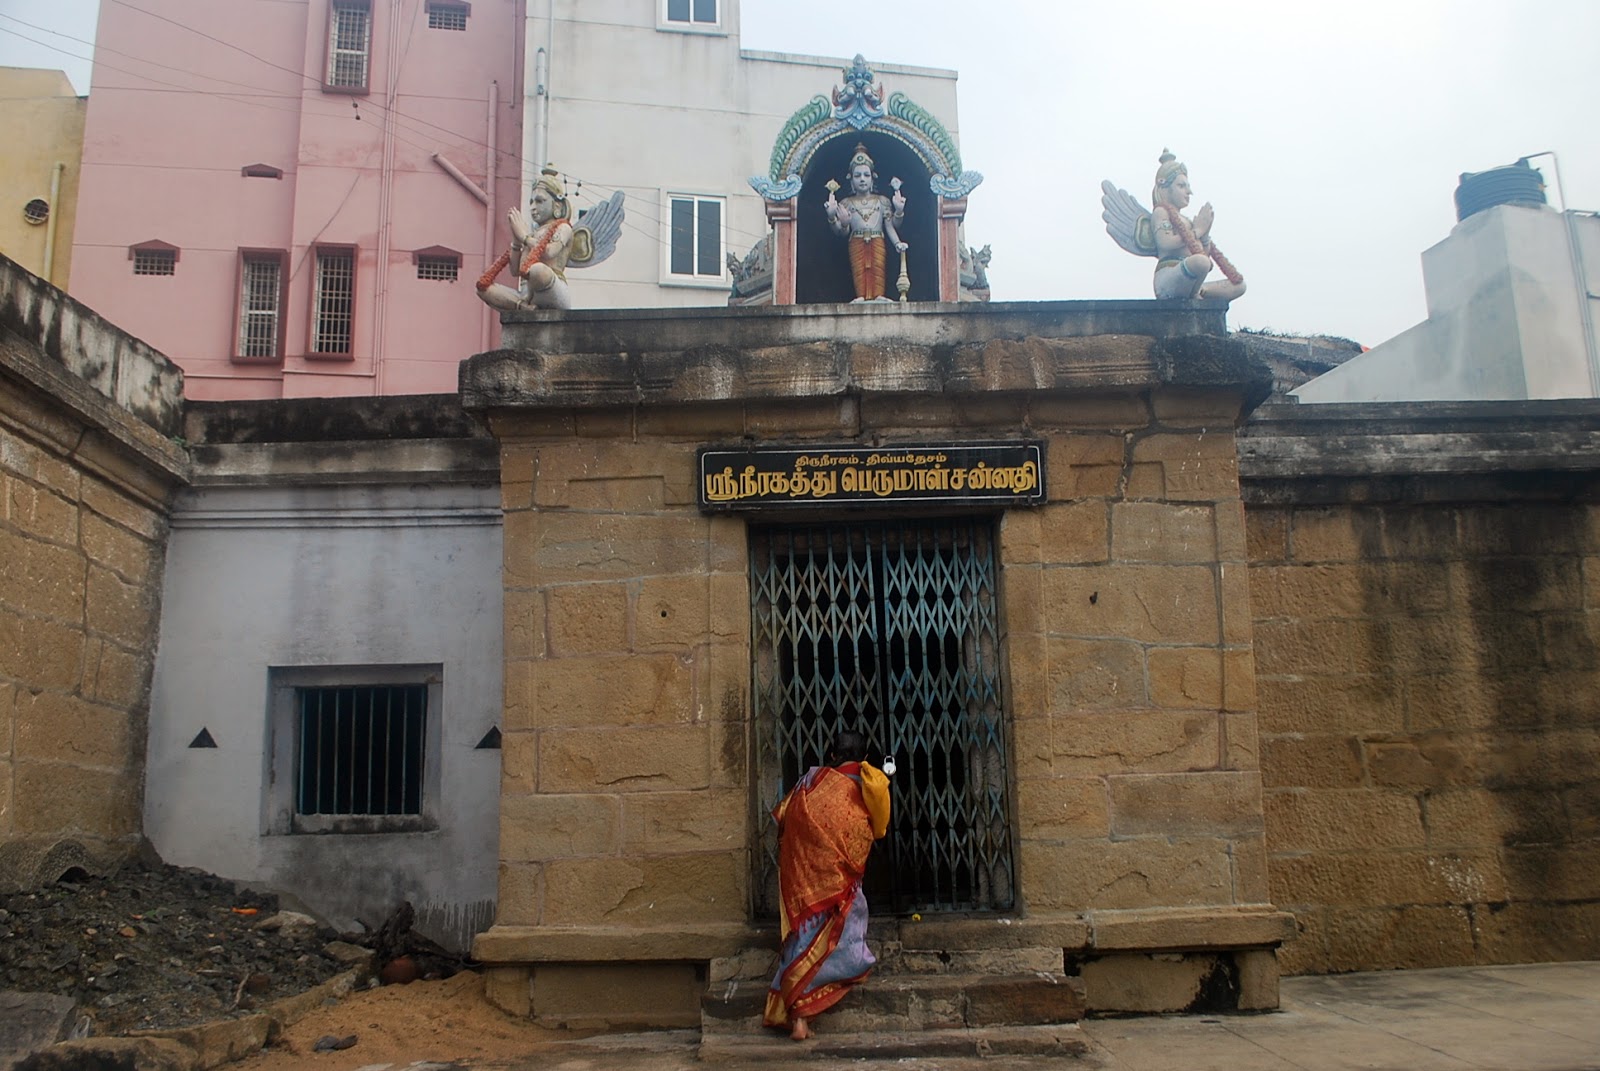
542	944
987	934
1162	930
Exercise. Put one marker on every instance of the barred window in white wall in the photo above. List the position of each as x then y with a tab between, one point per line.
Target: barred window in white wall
333	304
694	237
354	749
260	305
349	44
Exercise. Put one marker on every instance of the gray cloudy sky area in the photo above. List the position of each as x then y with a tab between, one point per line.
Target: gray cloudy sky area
1329	137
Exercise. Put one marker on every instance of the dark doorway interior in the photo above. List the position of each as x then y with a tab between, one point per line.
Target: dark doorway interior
890	628
822	261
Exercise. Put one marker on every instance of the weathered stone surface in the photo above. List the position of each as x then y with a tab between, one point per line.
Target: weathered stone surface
623	690
1074	532
616	996
1146	984
1315	819
1093	675
1322	761
1038	998
1324	703
134	1054
40	654
646	892
672	613
588	618
624	759
1258	979
510	989
1321	535
118	549
1241	744
657	823
1239	679
1217	804
1061	808
521	895
51	798
1160	532
541	827
42	579
117	676
1169	928
1185	677
1148	603
1390	877
560	547
1149	741
53	727
1143	872
1387	938
118	610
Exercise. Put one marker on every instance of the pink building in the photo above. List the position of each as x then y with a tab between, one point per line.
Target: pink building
294	199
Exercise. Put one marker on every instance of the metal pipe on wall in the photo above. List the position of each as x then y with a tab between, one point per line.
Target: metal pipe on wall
50	222
490	176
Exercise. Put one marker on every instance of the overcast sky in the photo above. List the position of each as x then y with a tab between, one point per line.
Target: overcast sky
1329	137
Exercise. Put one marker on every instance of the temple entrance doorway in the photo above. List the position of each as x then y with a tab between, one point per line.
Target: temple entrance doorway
891	628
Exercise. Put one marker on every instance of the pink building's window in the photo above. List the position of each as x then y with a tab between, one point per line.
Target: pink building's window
333	302
154	258
260	305
437	263
261	171
349	45
447	15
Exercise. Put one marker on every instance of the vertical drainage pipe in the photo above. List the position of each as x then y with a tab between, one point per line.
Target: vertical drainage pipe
50	221
490	176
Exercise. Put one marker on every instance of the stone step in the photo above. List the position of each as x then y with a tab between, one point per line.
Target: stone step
904	1002
747	1050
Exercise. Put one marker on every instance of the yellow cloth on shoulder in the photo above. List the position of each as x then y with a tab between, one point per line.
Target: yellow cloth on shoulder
875	794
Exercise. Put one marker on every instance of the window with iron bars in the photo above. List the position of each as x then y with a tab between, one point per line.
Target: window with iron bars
155	262
349	43
260	305
354	750
333	304
444	269
447	16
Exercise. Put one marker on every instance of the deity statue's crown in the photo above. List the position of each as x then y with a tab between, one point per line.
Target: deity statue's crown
1169	168
861	157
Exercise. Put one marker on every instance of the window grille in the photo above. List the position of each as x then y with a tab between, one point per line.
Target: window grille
447	17
446	269
695	241
359	750
334	301
155	262
701	12
892	629
349	43
36	211
260	291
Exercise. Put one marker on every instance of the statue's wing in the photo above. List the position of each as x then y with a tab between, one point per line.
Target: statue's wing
595	238
1127	221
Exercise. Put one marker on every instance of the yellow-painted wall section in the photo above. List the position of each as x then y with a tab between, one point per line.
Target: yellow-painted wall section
41	125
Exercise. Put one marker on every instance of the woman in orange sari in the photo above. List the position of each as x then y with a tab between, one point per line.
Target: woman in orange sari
826	826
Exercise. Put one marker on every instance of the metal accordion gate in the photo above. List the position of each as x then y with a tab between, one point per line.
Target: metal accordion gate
890	628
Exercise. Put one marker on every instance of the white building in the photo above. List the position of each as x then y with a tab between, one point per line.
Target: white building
658	99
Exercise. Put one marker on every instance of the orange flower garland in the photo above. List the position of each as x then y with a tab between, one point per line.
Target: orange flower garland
1208	247
540	244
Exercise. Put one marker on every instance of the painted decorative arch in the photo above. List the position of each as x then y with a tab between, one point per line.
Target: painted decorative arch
855	110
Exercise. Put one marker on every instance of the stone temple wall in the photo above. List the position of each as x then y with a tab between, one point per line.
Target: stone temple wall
84	486
1425	583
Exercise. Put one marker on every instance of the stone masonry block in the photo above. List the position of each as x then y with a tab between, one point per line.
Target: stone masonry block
1094	675
672	613
588	618
1200	444
1221	803
646	893
1030	685
1315	703
40	654
1171	604
1192	408
1331	535
1239	679
1063	808
520	894
133	557
40	513
1241	742
55	727
1185	677
8	803
525	629
1143	872
612	423
1160	532
1143	741
1358	879
542	827
727	545
838	417
42	579
567	547
519	762
617	691
663	823
1232	546
1313	592
1521	585
628	759
1266	535
1533	933
1211	479
519	708
1074	413
115	506
1334	648
695	424
1021	535
1074	532
1249	855
1321	819
1312	761
54	798
1023	604
1258	979
1389	938
118	610
1146	479
1536	872
115	676
26	459
728	607
1148	985
510	989
617	996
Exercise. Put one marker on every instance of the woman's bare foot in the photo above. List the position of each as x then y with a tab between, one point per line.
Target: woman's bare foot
800	1029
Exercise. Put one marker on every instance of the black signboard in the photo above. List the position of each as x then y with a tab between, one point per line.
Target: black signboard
938	474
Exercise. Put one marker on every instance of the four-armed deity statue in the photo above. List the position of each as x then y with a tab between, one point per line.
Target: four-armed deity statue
863	219
542	253
1184	251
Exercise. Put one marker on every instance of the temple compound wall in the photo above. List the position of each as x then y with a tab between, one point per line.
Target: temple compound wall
643	688
1426	590
87	473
